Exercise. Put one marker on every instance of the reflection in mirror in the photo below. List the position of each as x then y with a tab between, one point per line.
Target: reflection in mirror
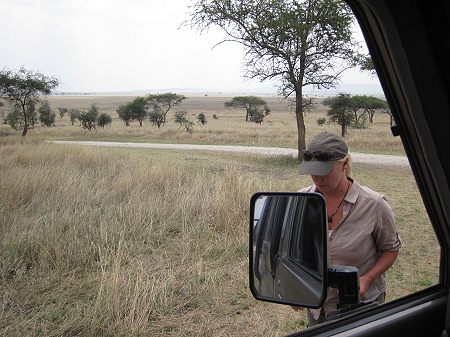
288	256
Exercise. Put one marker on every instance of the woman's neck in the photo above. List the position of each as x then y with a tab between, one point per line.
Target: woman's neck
340	190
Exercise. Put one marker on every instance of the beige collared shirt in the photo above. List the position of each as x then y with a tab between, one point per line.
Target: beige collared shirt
366	229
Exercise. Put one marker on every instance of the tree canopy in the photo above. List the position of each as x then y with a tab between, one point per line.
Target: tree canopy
46	115
103	120
88	119
164	102
156	117
183	120
249	103
23	89
299	43
134	110
362	107
340	111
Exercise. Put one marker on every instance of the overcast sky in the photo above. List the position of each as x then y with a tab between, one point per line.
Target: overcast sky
112	45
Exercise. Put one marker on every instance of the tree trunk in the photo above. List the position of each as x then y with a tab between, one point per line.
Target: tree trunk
300	122
25	121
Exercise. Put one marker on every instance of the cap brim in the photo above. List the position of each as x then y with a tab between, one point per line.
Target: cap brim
316	168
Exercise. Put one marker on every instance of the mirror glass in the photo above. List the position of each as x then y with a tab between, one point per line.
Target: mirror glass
288	248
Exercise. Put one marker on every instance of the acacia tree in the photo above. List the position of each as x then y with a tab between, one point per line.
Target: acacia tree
163	102
88	119
372	104
365	63
103	120
139	109
357	105
183	120
258	113
136	109
156	117
23	89
361	106
340	112
299	43
124	112
364	107
249	103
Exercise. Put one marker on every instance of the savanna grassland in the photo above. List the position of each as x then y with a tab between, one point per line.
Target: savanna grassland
278	129
142	242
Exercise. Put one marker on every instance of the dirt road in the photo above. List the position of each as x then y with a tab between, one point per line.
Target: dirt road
390	160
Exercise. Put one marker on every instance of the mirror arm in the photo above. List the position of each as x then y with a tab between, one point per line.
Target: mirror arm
345	278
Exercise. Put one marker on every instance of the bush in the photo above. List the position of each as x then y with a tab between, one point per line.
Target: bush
74	113
202	118
156	117
215	116
32	115
183	120
46	115
62	112
89	118
321	121
14	119
257	113
103	120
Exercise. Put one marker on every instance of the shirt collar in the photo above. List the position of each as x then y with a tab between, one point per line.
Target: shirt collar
352	194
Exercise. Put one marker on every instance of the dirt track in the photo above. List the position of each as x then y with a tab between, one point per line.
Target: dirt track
390	160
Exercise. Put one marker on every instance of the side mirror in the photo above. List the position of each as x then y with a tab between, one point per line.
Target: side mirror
288	248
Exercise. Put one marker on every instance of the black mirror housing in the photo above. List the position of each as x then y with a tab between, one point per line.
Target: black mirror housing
288	255
345	278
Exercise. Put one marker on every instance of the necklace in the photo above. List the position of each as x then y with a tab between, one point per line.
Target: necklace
330	217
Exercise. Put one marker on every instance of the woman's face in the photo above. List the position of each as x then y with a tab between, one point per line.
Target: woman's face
331	181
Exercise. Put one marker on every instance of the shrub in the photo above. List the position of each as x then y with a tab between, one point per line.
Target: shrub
321	121
62	112
202	118
74	113
103	120
46	115
257	113
183	120
156	117
89	118
14	119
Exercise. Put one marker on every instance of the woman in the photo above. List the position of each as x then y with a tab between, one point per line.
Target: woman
360	222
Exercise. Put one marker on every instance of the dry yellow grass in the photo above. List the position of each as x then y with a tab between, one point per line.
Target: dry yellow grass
121	242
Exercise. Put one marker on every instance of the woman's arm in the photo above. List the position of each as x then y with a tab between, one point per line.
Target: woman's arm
383	263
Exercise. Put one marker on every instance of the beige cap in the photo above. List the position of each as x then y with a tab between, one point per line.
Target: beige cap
321	153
